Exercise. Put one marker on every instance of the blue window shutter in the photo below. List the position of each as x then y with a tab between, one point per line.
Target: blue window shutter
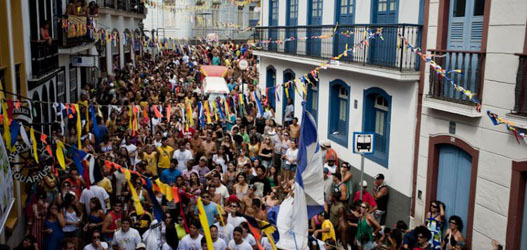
337	133
271	83
368	123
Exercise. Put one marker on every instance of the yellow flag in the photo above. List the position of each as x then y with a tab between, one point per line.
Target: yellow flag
207	111
204	224
60	155
137	203
1	91
79	126
7	132
34	143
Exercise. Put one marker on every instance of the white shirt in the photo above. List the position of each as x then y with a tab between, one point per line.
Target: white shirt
291	154
235	220
187	243
223	192
243	246
219	244
225	232
94	191
182	157
250	239
266	244
332	169
91	247
220	161
128	240
132	152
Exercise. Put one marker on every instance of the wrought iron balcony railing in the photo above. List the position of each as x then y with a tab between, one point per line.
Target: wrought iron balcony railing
470	64
44	57
325	42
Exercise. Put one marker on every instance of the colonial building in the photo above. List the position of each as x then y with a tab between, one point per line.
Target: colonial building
371	89
477	169
195	19
122	21
12	79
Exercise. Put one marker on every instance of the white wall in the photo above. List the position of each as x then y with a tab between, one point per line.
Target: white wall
403	109
362	12
497	146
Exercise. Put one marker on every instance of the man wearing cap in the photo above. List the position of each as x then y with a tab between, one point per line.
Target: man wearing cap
380	193
331	154
366	196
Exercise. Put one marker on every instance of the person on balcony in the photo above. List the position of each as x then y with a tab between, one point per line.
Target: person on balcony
44	33
93	9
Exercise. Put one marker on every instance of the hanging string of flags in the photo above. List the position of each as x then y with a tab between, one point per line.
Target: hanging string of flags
312	77
442	73
88	166
496	120
346	33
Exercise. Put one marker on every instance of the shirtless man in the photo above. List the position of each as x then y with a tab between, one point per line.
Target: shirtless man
295	129
248	201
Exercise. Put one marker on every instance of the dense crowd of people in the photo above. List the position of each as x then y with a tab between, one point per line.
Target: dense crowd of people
241	164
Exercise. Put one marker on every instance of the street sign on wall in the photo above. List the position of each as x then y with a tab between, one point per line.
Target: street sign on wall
363	143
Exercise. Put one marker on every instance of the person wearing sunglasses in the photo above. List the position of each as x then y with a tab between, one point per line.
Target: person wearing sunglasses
423	236
367	226
453	235
96	243
434	222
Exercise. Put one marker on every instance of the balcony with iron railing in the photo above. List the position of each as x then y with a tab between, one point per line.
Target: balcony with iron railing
520	91
444	92
75	31
44	57
325	42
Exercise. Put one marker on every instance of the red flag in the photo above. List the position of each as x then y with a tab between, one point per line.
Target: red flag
156	112
175	194
86	174
256	234
10	108
169	112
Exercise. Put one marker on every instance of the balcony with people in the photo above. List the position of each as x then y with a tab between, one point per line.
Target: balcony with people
377	47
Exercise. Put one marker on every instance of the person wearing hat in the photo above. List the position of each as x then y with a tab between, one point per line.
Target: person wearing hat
140	246
331	154
380	193
366	197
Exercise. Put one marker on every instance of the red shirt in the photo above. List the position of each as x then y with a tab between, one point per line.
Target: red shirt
366	197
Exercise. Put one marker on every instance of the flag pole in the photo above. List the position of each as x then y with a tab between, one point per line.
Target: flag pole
361	172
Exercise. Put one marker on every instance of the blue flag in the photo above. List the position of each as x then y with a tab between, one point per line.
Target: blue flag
308	200
14	129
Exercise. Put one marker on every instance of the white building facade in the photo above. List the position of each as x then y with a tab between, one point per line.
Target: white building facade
195	19
477	169
122	20
374	89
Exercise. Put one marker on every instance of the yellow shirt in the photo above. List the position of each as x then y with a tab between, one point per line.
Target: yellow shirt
165	154
106	184
151	162
331	233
